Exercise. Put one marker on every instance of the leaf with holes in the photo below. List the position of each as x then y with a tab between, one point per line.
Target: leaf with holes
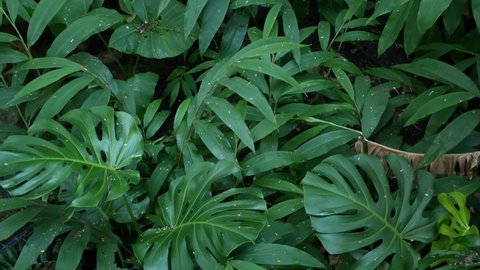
159	38
349	216
100	163
191	222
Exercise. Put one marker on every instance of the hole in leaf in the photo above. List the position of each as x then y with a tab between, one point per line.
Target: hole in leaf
104	156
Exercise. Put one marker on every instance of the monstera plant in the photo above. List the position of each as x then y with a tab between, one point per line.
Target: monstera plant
33	167
219	134
191	221
348	211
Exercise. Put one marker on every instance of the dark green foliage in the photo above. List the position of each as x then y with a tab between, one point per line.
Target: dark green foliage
219	134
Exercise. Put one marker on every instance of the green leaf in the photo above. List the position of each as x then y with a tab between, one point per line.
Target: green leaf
290	29
284	209
324	34
264	47
270	160
429	11
42	15
44	80
192	13
73	10
277	254
38	242
353	9
344	81
95	67
439	103
157	122
212	19
301	138
440	71
266	127
323	143
349	216
244	3
476	12
151	111
181	111
12	7
81	29
14	203
215	140
159	175
386	6
244	265
71	252
62	96
251	94
392	28
193	222
234	34
106	255
453	15
375	104
271	19
267	68
5	37
225	68
456	223
232	118
411	35
130	207
137	92
277	184
148	10
438	119
48	62
310	85
357	35
450	136
33	167
10	56
162	39
15	222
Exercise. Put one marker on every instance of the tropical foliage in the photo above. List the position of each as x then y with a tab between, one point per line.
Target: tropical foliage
225	134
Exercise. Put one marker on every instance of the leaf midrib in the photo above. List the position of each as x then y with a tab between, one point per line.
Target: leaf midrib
71	160
179	227
375	214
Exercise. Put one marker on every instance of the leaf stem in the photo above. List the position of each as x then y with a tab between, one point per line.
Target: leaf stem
115	58
316	120
25	47
25	122
132	217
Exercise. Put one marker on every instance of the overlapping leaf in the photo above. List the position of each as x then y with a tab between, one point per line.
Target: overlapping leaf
190	222
98	156
161	37
348	215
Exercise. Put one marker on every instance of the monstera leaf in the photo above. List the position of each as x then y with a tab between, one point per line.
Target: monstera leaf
154	35
351	206
96	154
191	222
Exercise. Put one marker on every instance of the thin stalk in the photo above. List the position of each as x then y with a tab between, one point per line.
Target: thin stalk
3	80
316	120
132	217
24	45
112	54
135	65
22	117
25	122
